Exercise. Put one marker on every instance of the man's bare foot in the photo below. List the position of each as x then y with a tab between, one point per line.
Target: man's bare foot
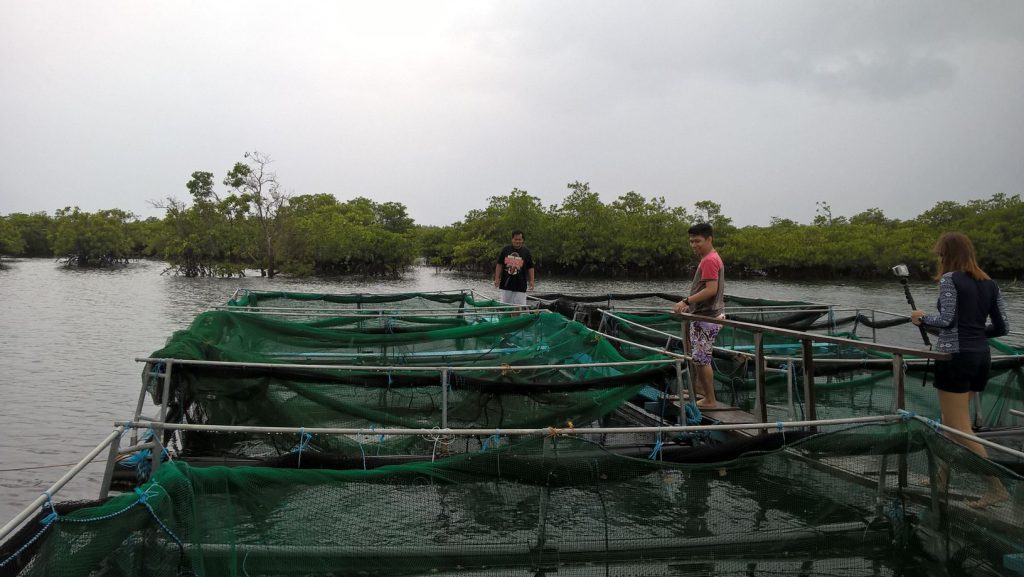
706	404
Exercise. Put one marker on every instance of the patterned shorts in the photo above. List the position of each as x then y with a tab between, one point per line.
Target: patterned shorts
513	297
702	339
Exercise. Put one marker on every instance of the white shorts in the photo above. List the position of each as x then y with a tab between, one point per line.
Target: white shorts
513	297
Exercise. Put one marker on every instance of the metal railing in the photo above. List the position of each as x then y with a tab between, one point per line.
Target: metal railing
443	371
112	440
805	360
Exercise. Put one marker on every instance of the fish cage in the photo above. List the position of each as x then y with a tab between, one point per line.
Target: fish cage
888	495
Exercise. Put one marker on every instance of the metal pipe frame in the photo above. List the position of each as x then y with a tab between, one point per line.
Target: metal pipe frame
113	438
616	549
939	426
547	431
368	314
801	335
47	495
564	431
379	368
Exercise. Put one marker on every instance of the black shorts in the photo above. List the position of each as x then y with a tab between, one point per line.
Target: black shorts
964	373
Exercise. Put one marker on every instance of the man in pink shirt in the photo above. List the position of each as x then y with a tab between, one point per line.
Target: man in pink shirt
706	298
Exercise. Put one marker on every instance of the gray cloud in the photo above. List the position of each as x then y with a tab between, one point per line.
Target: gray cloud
765	107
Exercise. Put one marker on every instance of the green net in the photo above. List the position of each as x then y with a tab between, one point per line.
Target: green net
393	311
450	301
849	381
797	315
826	505
476	375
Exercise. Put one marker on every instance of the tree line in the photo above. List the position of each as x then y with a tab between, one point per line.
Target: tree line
249	222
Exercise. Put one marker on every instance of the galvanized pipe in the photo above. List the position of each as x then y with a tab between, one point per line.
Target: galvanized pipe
54	488
976	439
549	431
375	368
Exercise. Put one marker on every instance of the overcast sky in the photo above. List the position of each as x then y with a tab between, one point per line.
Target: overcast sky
764	107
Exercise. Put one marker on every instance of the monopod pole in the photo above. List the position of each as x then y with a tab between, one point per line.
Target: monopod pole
910	301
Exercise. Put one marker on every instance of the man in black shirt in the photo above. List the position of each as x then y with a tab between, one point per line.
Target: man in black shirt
513	271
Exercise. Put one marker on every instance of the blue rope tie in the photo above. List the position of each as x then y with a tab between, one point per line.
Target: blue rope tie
304	439
165	528
656	452
53	516
693	414
49	520
144	497
103	518
782	429
496	438
905	415
933	424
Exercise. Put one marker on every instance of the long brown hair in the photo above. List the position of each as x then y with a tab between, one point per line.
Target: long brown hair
956	253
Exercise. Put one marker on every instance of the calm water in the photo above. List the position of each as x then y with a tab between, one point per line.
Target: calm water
68	339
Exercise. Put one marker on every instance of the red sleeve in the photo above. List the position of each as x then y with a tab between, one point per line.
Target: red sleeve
709	268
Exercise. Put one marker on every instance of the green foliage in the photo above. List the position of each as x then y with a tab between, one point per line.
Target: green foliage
208	238
92	239
35	230
870	216
257	196
200	186
869	243
632	235
144	235
431	242
639	237
711	212
324	236
10	239
255	226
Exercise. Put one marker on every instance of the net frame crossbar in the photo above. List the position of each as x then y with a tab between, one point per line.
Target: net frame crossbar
372	312
442	371
120	427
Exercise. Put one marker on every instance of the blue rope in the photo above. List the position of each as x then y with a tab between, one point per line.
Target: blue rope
380	438
304	439
26	545
53	517
782	429
656	452
487	442
103	518
141	460
144	500
693	414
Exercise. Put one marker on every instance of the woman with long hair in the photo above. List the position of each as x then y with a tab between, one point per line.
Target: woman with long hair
970	310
